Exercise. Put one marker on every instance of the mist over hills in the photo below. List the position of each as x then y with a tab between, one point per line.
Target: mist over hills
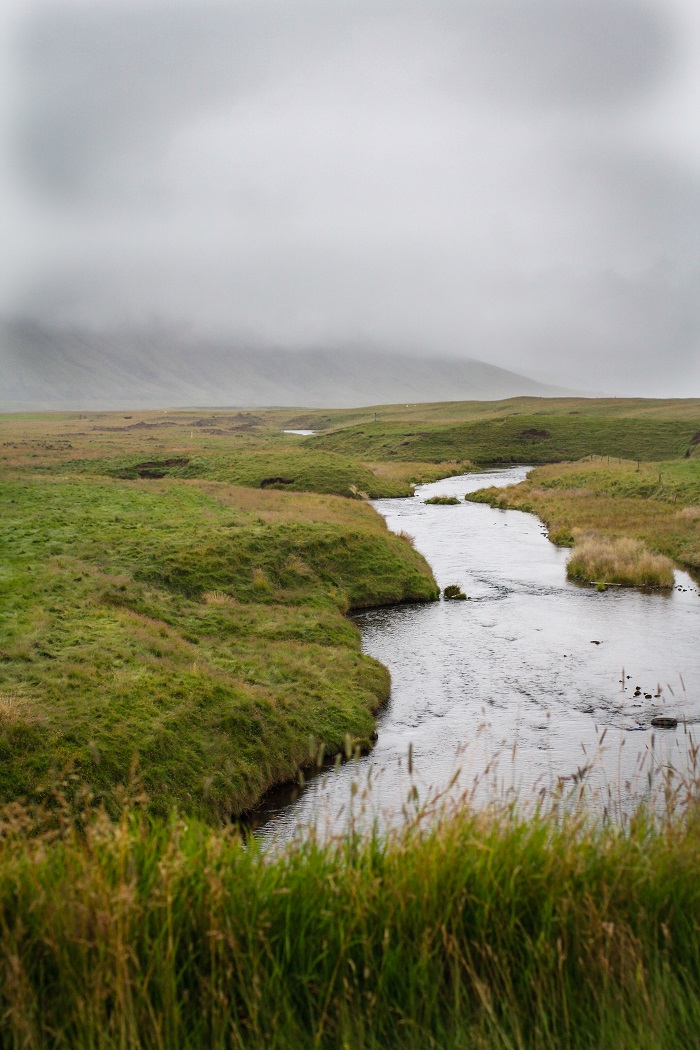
51	368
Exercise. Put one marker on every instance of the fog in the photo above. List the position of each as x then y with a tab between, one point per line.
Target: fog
513	182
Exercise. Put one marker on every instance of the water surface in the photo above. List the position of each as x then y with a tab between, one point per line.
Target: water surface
515	686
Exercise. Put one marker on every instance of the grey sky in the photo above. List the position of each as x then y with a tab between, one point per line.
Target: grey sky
512	180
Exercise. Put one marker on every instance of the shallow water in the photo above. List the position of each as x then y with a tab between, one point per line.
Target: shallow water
515	686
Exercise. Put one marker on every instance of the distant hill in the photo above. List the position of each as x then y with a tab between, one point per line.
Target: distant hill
43	368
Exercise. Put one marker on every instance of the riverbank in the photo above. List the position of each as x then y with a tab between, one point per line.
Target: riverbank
199	629
657	503
152	606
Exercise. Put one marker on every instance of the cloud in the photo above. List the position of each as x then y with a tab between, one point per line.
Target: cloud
490	179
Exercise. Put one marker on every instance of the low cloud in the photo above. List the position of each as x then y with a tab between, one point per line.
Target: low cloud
493	180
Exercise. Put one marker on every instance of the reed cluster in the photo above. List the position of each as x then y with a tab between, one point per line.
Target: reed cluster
624	561
466	929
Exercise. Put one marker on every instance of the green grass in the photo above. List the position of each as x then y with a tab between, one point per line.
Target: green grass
443	501
289	469
470	930
546	437
204	634
202	626
656	503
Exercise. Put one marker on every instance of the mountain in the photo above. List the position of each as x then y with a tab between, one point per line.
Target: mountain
71	368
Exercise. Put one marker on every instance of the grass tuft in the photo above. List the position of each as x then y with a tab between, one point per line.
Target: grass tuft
624	561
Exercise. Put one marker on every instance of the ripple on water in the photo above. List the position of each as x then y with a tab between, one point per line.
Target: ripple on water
508	686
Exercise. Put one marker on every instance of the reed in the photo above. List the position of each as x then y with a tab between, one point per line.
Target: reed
623	561
466	929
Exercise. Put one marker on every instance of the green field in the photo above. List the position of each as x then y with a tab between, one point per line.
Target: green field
203	632
175	583
174	640
518	438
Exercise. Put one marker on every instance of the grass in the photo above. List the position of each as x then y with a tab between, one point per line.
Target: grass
625	562
517	438
655	503
467	929
182	446
197	619
202	627
443	501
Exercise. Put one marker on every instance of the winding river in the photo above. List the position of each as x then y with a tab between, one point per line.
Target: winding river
513	689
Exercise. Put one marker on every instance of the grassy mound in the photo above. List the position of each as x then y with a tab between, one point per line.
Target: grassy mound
624	561
200	628
476	930
443	501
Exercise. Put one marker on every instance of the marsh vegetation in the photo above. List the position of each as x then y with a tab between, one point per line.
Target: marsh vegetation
468	928
624	562
175	640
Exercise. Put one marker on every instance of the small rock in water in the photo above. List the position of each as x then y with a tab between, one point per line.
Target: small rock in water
647	696
664	722
594	642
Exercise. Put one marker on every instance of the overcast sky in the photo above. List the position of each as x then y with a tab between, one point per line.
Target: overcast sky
512	180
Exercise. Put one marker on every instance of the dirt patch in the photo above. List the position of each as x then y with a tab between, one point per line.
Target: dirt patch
136	426
158	468
533	434
266	482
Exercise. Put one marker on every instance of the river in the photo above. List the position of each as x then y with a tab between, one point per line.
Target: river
513	689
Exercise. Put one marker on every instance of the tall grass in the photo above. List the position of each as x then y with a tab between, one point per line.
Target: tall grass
466	929
624	561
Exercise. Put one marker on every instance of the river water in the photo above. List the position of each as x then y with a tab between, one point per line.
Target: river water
513	689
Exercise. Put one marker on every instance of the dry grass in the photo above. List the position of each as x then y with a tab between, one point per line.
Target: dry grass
15	709
219	598
278	507
615	500
623	561
416	472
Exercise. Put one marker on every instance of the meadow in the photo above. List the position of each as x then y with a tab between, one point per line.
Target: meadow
516	439
174	640
199	625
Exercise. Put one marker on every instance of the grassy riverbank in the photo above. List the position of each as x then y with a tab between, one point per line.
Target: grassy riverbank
169	593
200	627
656	503
483	930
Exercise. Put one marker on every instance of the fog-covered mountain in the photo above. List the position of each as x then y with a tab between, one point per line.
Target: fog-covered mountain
42	367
